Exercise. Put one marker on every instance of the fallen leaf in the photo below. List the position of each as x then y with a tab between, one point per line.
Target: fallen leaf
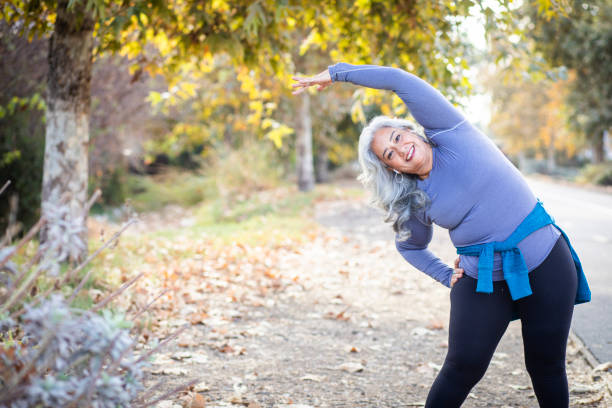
182	355
312	377
351	349
226	349
170	371
197	401
435	325
239	400
583	388
351	367
603	367
588	401
201	387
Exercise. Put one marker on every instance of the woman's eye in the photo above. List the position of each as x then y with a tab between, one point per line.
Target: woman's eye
397	137
389	156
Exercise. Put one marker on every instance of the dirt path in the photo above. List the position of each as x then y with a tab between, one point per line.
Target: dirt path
350	324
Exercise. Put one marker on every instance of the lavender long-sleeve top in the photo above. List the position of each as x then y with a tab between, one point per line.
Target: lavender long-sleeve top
475	192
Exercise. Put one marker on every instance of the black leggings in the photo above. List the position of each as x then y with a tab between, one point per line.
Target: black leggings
478	321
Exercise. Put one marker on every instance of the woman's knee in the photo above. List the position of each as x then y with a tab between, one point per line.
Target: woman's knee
545	363
465	368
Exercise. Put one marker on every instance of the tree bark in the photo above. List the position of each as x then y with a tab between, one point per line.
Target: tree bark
65	172
322	168
598	148
305	168
551	165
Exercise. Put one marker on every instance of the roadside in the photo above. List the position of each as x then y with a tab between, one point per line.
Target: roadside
565	182
338	320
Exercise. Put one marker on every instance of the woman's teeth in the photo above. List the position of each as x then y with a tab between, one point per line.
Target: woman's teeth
410	153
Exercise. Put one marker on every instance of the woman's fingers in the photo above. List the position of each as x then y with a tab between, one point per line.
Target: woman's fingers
321	80
299	91
457	274
457	262
301	85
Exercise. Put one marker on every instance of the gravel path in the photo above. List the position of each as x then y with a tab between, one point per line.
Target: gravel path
351	325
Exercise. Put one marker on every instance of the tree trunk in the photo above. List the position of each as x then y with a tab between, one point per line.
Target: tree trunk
64	192
305	168
551	165
322	168
598	148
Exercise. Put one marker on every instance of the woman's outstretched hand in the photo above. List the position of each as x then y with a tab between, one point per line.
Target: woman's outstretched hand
457	273
322	80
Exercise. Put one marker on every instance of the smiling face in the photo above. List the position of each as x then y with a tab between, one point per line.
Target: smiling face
403	150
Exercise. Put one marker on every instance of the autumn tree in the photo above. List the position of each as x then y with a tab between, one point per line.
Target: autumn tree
179	33
528	116
580	38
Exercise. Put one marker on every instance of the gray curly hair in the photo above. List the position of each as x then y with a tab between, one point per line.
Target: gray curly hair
396	193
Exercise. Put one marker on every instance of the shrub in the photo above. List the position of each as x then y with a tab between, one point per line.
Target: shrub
53	355
600	174
252	167
65	356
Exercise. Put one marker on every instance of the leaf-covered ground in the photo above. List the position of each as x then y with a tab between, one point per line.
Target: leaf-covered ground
328	316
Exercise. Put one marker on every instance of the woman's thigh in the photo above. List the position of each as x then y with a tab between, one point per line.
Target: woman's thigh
477	321
546	314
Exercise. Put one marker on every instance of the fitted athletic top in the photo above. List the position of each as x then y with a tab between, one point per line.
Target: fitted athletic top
476	193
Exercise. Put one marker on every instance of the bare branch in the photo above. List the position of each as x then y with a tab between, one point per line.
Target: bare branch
171	392
116	293
37	299
148	391
163	343
92	256
24	240
144	309
94	197
5	186
27	267
10	232
24	287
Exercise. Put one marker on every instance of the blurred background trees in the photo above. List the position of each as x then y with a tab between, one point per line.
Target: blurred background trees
551	88
204	87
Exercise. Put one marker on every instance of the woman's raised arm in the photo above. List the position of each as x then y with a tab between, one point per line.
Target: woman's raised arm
428	106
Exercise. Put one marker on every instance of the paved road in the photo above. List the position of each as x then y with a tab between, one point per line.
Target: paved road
586	216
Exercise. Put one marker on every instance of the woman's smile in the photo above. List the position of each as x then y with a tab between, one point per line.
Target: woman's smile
403	150
410	153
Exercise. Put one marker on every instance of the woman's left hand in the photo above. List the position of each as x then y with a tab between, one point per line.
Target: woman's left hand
457	273
322	80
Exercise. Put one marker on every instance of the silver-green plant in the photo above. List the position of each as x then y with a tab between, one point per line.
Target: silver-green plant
54	355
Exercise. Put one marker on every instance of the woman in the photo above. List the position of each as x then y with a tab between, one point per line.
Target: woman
514	261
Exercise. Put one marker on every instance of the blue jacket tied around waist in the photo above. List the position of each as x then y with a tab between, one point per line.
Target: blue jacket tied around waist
514	268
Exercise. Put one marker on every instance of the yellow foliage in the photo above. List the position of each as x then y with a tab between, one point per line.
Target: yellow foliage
278	132
531	115
220	5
